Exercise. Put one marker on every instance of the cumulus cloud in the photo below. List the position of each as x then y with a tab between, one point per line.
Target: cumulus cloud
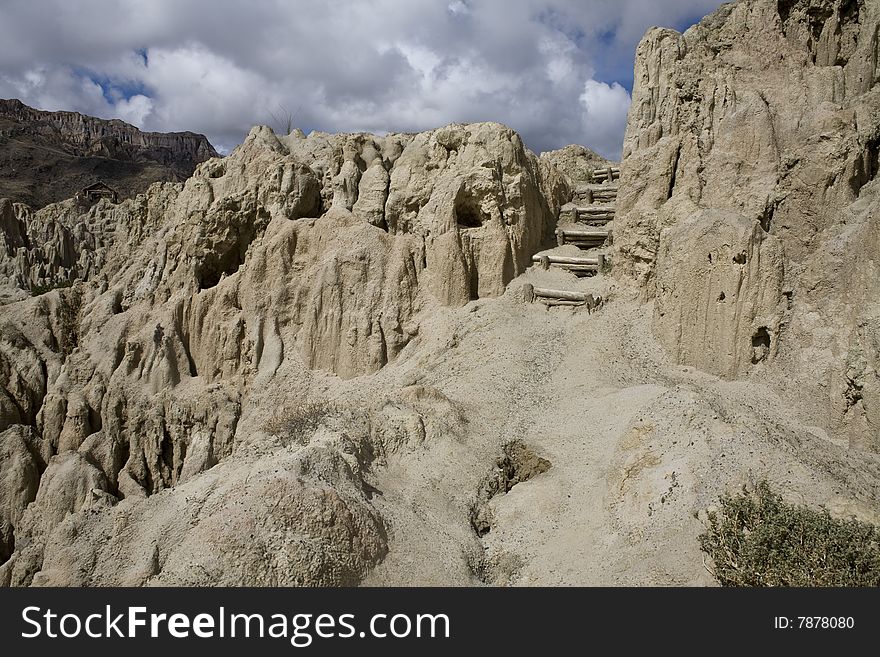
604	114
555	70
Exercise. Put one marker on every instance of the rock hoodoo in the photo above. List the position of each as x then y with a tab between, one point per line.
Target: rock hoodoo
164	310
752	141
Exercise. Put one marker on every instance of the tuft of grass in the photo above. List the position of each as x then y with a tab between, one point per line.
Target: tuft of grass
757	539
37	290
297	425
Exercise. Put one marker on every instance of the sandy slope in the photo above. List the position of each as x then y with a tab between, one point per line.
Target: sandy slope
639	448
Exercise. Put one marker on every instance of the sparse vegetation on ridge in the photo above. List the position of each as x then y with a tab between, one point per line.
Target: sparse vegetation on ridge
296	425
38	290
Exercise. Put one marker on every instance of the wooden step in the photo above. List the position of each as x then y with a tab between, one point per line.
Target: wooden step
572	213
561	297
595	211
605	191
566	260
604	174
578	265
595	193
582	236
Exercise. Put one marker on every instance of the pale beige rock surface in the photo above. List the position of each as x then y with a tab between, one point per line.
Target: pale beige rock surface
313	363
767	113
576	163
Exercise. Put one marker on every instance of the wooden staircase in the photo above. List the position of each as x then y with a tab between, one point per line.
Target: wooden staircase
585	222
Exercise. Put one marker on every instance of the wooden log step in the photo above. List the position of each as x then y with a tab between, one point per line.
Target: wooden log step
566	260
575	264
559	295
596	188
584	233
582	237
590	213
579	270
606	174
596	208
550	302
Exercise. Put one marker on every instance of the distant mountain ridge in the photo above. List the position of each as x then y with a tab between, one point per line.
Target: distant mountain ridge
48	156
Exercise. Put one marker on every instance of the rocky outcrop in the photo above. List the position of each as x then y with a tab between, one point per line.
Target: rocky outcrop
20	469
46	157
290	520
576	163
718	274
765	115
174	308
87	135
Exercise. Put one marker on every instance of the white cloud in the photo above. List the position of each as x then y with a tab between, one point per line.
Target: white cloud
135	110
604	114
458	7
545	67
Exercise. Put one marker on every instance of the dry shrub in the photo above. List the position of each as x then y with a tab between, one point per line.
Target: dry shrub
295	425
757	539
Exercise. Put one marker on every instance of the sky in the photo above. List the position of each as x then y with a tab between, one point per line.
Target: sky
557	71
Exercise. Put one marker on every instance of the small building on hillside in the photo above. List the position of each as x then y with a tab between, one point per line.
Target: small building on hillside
97	191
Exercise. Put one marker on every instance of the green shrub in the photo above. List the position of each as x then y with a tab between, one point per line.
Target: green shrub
757	539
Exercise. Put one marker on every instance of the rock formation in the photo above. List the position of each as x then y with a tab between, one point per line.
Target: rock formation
749	203
575	162
166	309
47	157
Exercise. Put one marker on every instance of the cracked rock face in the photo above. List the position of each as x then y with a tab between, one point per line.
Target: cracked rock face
718	274
757	131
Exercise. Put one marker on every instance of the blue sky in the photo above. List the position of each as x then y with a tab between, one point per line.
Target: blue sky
558	71
616	69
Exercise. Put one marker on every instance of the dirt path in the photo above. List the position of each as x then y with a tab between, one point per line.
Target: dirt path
557	524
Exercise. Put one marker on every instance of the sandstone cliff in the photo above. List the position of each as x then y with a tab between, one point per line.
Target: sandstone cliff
749	202
46	157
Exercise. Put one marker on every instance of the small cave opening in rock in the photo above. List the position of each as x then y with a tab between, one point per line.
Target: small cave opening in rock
225	260
210	273
868	165
767	217
818	15
474	284
850	11
740	258
467	213
722	296
783	7
760	345
517	463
